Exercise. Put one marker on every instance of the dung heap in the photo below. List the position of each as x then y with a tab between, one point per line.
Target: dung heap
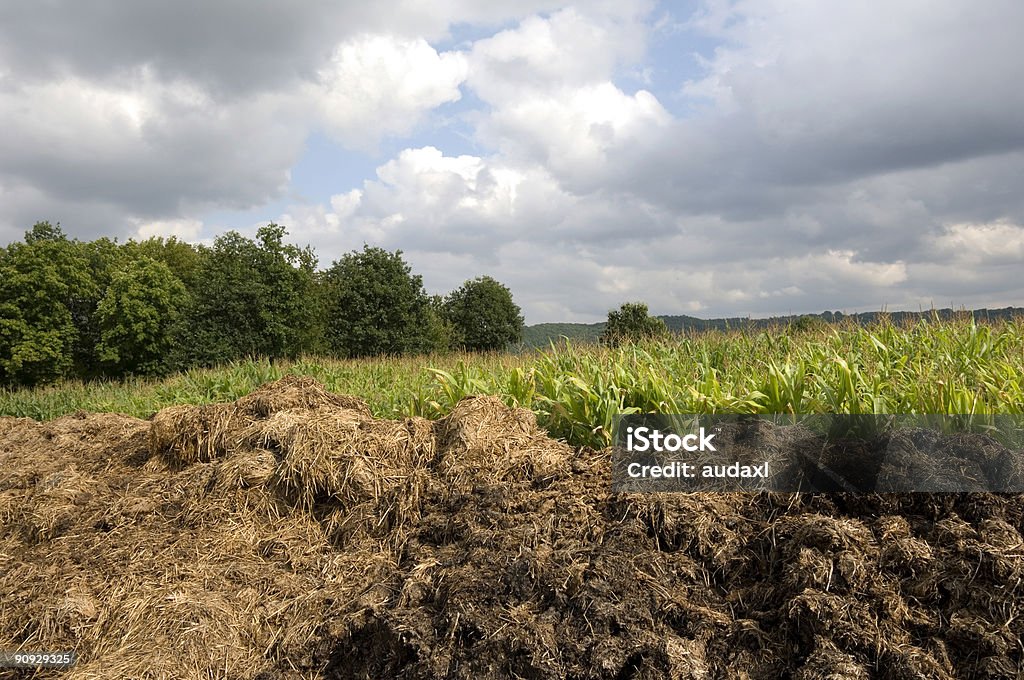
292	535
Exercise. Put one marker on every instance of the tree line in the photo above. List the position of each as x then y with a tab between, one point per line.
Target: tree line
100	309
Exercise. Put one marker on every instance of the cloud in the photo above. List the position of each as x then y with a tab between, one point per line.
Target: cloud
568	49
113	112
822	157
969	245
376	85
148	147
573	256
573	132
832	93
229	47
425	200
183	229
979	263
550	87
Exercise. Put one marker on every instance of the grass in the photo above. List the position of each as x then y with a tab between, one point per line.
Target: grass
943	367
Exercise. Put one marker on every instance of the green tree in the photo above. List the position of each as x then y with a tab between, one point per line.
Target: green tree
439	332
483	315
376	305
44	283
184	259
252	298
44	231
136	316
630	323
290	313
102	258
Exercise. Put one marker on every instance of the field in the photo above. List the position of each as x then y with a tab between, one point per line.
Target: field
941	367
253	522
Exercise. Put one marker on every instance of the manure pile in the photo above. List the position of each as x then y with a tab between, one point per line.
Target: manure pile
292	535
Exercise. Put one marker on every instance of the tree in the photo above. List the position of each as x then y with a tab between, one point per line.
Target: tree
102	258
631	323
376	305
44	231
140	308
44	283
252	298
439	332
290	313
184	259
483	315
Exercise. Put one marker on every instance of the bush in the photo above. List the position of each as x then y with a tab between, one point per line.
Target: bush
631	323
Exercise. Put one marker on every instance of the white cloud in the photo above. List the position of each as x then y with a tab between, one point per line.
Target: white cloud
230	48
566	50
553	100
344	205
861	92
184	229
426	200
377	84
422	199
571	132
971	246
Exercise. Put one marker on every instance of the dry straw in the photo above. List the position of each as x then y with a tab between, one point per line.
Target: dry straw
485	441
292	535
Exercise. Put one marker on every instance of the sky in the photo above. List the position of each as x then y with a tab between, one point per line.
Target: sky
712	158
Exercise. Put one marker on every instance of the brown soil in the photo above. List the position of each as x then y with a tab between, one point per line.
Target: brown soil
291	535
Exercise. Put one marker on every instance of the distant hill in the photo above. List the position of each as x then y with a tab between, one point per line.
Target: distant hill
540	335
543	333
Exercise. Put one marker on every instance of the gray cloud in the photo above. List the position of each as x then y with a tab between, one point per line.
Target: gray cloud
228	46
152	152
818	95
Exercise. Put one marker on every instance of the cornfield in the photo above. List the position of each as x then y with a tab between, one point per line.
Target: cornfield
939	367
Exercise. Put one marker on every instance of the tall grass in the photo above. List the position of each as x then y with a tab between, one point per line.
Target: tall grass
943	367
